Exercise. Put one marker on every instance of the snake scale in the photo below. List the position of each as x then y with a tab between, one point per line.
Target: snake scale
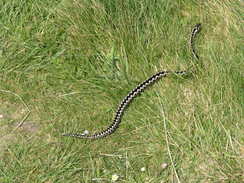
132	94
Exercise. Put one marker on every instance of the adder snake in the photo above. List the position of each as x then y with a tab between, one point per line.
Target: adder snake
132	94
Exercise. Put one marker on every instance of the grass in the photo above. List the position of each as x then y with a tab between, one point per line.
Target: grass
69	63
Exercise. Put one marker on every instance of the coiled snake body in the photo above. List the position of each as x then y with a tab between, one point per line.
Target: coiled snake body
131	95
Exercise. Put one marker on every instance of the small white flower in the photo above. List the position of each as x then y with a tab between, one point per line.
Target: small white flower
164	165
143	169
1	116
115	177
86	132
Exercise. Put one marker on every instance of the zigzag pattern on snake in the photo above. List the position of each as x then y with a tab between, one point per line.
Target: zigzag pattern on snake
131	95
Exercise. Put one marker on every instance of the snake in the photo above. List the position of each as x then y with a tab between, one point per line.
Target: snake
135	92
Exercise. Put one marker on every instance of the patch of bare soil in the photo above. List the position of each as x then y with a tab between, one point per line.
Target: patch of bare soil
9	133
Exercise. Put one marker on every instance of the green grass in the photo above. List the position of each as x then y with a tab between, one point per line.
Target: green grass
66	65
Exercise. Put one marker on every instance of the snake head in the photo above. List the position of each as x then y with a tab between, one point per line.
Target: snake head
197	28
